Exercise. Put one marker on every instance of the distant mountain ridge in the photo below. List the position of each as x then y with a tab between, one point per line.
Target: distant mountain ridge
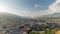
12	19
55	15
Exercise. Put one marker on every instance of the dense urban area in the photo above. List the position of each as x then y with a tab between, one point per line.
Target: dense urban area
31	27
13	24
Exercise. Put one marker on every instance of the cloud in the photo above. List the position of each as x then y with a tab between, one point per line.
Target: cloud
37	5
53	8
35	14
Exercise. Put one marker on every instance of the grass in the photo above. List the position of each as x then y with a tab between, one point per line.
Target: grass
50	31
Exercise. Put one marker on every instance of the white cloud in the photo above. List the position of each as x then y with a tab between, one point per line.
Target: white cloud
53	8
37	5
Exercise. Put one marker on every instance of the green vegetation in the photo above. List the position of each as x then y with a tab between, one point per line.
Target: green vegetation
34	33
50	31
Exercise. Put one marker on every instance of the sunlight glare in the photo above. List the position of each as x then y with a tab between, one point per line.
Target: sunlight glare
3	8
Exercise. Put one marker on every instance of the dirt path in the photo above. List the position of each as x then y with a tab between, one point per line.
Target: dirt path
57	32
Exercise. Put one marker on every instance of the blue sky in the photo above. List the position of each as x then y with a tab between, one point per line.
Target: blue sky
28	4
30	8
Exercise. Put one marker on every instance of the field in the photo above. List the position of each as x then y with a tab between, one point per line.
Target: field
49	31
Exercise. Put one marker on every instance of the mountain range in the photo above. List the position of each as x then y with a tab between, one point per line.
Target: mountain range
12	19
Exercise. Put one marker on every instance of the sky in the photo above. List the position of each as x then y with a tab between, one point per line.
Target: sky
30	8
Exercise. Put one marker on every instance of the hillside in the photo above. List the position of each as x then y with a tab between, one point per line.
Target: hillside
12	19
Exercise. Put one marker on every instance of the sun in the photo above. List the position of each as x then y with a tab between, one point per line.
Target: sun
3	7
2	10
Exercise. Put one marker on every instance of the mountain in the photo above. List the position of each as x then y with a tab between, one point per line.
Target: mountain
8	19
55	15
